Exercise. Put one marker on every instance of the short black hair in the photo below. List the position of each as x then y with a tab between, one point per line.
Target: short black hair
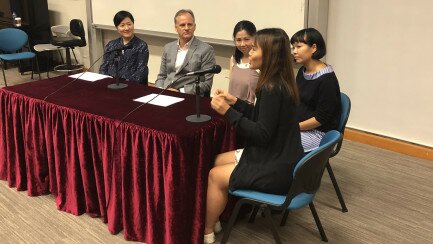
120	16
311	36
247	26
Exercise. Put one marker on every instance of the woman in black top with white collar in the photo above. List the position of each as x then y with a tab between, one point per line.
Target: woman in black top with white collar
320	107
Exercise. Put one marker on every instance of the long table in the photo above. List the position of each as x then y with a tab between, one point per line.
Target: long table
145	174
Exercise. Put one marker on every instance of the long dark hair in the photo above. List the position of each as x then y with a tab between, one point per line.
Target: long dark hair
276	70
247	26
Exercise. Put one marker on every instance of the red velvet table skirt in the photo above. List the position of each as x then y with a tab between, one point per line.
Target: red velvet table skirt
145	174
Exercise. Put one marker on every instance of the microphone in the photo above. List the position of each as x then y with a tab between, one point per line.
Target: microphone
118	51
212	70
124	47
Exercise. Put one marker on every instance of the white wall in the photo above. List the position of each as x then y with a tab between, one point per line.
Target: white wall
381	51
215	21
61	12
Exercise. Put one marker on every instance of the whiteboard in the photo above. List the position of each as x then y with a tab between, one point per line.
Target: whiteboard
215	19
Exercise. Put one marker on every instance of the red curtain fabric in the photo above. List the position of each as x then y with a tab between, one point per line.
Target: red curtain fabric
145	174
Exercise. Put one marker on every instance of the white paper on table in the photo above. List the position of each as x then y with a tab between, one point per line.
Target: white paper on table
161	100
90	76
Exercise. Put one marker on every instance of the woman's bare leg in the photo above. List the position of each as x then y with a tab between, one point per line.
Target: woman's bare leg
225	158
217	194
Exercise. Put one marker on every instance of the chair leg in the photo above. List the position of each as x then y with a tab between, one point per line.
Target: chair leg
37	67
318	223
253	214
268	216
3	70
68	59
231	223
61	56
337	189
75	57
284	218
22	70
50	56
33	67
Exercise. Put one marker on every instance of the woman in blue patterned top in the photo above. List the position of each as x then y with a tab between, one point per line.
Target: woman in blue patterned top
320	107
132	62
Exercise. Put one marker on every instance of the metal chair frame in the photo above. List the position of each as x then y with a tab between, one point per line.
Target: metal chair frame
56	31
307	174
345	112
76	39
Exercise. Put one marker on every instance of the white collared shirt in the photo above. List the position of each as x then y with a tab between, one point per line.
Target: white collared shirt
181	54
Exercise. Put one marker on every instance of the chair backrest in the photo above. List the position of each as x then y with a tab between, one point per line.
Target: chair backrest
12	39
77	28
345	111
308	172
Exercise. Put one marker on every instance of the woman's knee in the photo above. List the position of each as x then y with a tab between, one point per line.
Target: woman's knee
225	158
214	175
219	176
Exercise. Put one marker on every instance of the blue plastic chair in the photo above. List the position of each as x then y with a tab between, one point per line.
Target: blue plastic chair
307	176
345	111
11	42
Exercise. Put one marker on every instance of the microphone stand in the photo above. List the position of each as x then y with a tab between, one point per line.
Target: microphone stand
198	118
117	85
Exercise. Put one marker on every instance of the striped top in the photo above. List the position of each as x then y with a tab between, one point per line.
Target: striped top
326	70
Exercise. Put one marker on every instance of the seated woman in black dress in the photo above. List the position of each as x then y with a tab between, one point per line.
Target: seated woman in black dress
269	128
320	107
132	62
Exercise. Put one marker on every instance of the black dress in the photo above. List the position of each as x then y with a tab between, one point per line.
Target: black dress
272	142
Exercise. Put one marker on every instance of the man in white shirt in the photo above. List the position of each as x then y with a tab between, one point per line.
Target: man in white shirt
187	54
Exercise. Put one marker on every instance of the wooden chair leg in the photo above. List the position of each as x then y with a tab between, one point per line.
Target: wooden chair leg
318	223
337	189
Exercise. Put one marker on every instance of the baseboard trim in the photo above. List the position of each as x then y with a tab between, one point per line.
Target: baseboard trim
388	143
